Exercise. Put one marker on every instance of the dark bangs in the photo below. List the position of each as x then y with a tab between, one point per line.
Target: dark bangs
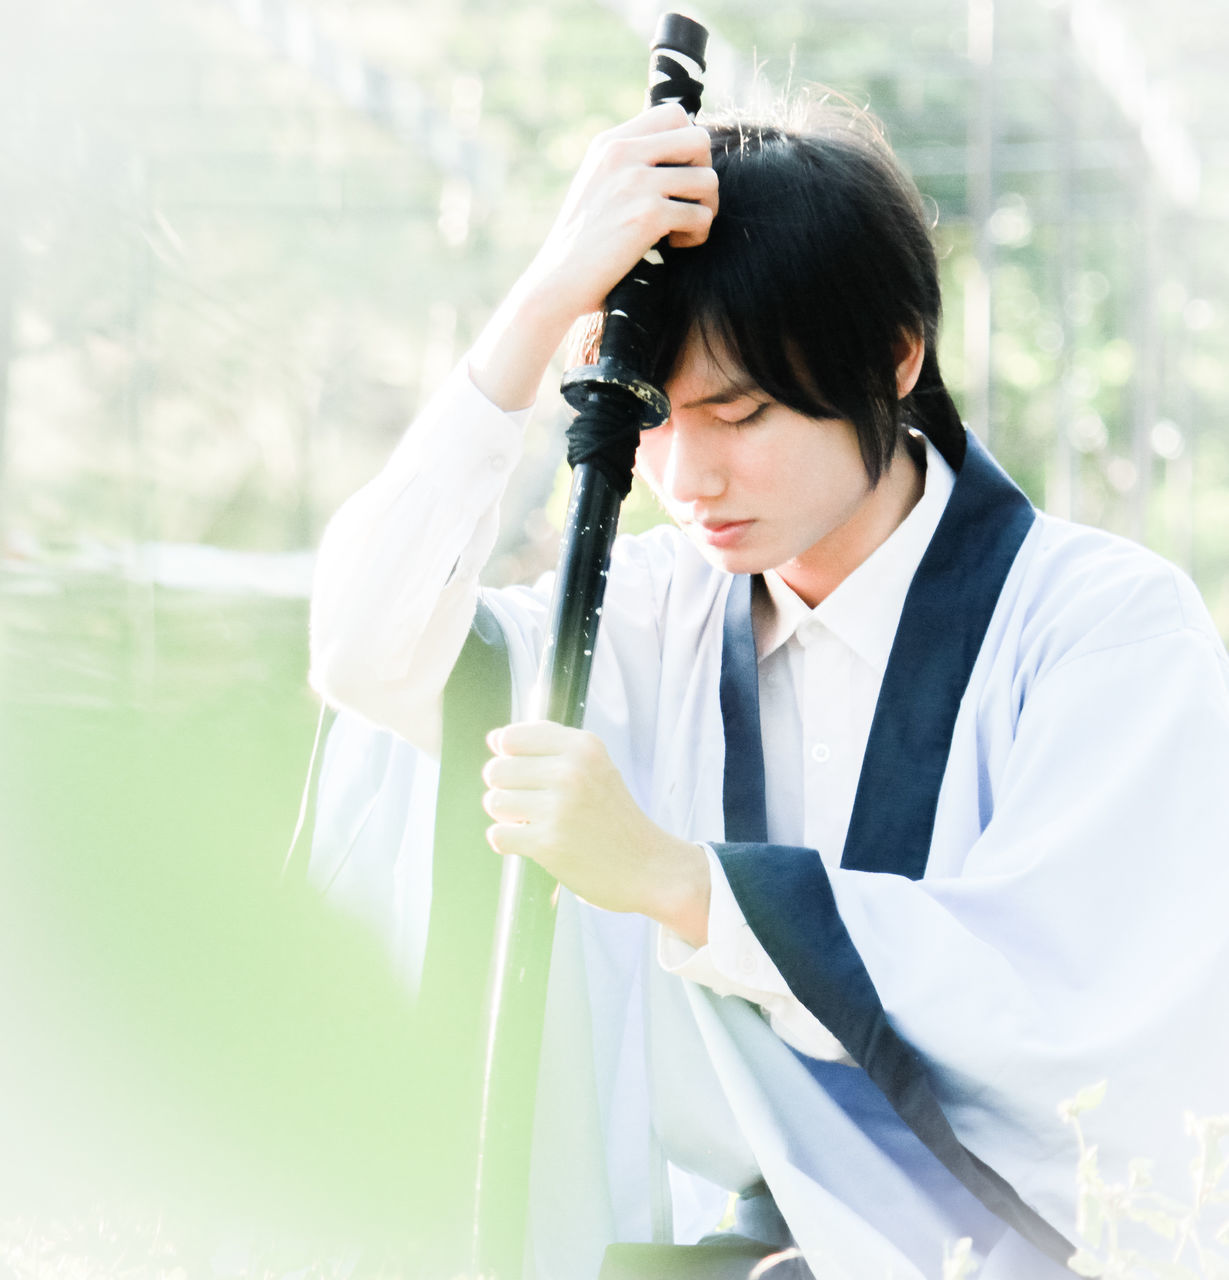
818	261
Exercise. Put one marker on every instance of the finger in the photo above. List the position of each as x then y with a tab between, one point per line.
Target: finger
692	226
516	807
682	148
533	738
511	837
685	147
520	773
665	115
695	183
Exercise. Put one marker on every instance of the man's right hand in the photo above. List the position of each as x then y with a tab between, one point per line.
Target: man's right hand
643	180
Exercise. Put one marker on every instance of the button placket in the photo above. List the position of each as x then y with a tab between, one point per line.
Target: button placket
820	656
825	714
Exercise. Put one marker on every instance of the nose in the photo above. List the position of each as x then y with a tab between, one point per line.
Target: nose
688	465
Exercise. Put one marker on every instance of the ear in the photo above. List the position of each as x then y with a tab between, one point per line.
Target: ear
909	352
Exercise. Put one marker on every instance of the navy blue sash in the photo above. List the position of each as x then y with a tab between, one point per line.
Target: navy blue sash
784	892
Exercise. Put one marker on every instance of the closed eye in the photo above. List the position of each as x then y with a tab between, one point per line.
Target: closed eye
754	416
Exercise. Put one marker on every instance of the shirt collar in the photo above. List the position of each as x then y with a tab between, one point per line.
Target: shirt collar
864	610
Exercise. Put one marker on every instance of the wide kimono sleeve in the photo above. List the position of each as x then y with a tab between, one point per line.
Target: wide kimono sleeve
397	570
1078	936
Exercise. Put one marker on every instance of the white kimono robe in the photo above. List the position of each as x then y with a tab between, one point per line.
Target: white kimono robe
1032	898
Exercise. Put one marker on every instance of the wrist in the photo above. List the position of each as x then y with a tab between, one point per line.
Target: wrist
544	301
683	892
514	350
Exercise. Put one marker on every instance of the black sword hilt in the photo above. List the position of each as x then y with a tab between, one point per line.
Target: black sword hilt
618	382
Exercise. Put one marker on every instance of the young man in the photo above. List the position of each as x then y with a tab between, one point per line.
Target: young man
899	816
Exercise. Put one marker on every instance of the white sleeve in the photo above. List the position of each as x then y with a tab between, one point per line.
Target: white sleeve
734	963
397	570
1083	939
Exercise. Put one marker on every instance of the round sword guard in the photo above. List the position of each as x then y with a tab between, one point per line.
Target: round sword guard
580	383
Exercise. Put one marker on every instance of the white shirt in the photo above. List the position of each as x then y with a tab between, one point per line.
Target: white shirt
819	676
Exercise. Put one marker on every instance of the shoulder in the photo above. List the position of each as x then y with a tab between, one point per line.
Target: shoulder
1083	590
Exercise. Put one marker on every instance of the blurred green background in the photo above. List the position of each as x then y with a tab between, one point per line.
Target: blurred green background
239	241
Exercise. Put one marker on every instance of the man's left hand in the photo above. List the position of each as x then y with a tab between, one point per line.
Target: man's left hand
556	797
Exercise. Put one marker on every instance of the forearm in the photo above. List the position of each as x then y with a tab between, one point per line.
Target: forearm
511	356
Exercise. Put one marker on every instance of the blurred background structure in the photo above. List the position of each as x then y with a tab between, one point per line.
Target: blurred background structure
240	240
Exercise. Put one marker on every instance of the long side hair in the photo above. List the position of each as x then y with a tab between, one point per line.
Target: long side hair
818	263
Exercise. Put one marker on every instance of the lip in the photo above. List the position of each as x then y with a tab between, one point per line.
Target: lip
723	533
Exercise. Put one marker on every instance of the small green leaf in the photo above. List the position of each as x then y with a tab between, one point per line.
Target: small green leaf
1087	1172
1091	1096
1084	1263
957	1265
1139	1174
1089	1219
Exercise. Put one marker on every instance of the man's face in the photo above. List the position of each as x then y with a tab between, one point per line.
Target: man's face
754	484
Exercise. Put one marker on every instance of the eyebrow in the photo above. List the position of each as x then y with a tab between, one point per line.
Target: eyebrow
726	394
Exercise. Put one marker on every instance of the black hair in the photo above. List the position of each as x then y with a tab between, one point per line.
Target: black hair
818	263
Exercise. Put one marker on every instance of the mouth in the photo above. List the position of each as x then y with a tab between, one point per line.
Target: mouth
725	533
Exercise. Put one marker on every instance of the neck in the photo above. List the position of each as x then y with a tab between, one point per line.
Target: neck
815	574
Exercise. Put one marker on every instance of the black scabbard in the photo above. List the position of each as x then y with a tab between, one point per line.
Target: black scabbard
612	398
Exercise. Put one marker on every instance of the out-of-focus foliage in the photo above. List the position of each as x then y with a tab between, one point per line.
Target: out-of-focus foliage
1130	1228
233	276
241	239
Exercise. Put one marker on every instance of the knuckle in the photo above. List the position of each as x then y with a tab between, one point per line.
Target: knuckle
600	142
645	217
614	152
571	777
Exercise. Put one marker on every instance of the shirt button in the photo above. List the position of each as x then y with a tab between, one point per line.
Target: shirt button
747	965
821	753
498	462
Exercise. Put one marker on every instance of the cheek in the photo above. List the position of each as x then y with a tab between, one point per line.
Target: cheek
829	457
651	458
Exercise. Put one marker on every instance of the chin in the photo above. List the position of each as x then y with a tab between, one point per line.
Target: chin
731	560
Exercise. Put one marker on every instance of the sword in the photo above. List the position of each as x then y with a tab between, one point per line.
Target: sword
614	402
